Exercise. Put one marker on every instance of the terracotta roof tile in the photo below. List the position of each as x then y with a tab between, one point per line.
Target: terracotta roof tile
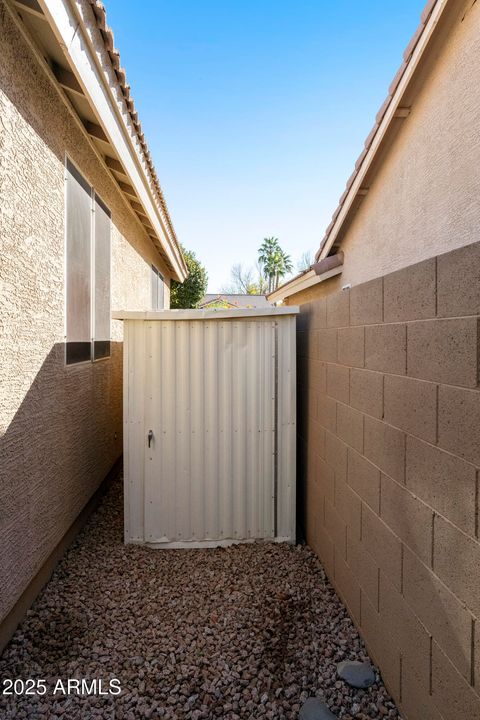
360	158
121	77
427	11
115	58
413	42
371	135
398	76
383	109
107	35
99	12
351	179
322	243
336	213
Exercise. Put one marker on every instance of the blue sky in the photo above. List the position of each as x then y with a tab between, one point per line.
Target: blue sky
256	110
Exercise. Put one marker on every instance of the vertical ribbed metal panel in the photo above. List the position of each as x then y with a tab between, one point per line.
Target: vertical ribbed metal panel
133	429
214	393
286	428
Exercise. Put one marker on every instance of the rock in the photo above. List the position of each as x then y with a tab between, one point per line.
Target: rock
190	633
315	709
355	673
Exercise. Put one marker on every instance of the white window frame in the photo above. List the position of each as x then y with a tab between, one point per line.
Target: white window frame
93	195
156	278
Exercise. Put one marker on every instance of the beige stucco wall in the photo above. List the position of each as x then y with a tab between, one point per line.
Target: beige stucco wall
60	427
424	199
316	291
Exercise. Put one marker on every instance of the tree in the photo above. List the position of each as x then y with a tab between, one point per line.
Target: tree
274	262
242	280
305	262
189	293
262	283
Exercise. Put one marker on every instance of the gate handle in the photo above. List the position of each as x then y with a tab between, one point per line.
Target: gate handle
150	437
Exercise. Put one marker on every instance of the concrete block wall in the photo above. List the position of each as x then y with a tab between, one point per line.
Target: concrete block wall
389	451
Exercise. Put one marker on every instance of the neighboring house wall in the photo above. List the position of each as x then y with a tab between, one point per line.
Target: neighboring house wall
423	199
60	427
389	451
316	291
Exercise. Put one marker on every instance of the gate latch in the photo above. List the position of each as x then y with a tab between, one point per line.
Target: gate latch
150	437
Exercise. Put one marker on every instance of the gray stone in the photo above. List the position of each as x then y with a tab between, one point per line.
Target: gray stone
315	709
355	673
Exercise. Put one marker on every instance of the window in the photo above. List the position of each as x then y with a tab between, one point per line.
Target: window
158	289
101	314
87	271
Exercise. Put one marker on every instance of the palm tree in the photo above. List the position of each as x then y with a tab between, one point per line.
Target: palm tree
285	266
274	262
266	258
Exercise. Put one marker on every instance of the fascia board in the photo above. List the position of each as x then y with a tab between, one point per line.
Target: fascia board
303	283
69	32
384	126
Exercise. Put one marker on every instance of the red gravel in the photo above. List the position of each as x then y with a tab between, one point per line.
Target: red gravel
245	632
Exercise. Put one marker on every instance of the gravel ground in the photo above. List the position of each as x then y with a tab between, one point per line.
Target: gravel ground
245	632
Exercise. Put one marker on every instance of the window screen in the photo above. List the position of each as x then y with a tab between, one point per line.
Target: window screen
87	271
78	266
158	289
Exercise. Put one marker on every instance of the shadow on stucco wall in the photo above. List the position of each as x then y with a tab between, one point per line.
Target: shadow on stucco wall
55	451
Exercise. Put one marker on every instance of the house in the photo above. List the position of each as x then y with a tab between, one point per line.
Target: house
413	193
233	300
388	335
84	227
388	377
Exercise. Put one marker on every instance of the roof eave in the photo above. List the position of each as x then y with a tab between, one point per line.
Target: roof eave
392	108
317	273
77	42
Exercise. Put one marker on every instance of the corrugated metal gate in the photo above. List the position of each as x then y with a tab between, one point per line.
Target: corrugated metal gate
209	413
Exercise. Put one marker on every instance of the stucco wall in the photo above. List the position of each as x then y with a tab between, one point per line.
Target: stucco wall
316	291
423	200
60	427
389	458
